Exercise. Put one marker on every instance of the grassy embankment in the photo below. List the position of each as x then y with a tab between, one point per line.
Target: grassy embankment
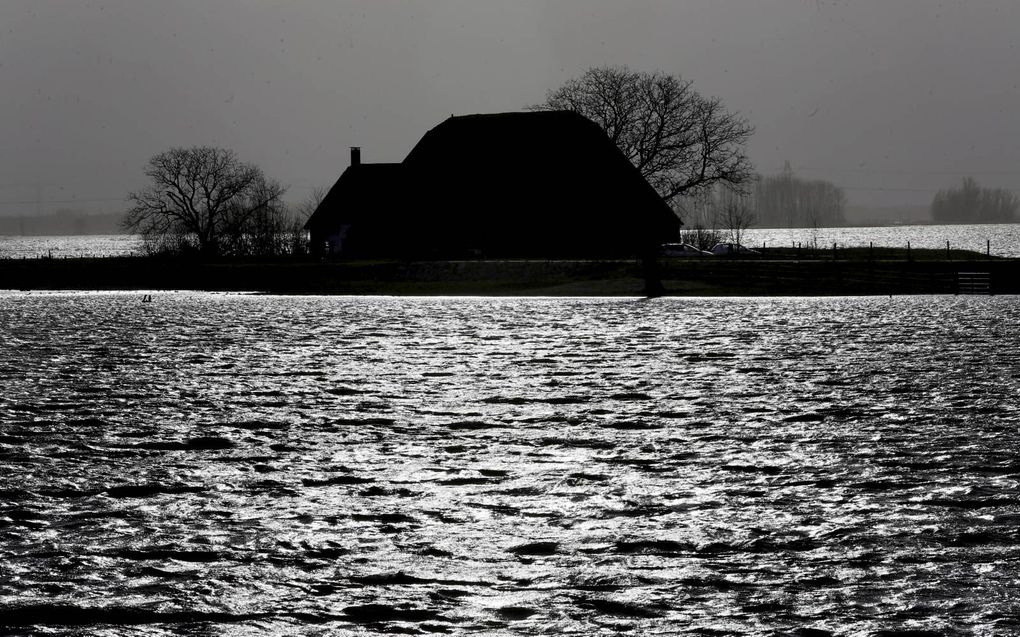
777	271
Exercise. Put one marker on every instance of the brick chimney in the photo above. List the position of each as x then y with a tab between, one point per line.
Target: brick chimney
355	155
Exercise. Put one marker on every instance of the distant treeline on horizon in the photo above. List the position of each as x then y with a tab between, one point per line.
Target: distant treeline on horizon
785	200
62	222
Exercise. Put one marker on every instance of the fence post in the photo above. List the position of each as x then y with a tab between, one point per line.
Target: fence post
871	251
908	251
947	249
833	250
988	248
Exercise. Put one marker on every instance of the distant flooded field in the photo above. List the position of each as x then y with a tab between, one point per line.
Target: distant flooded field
227	464
1001	239
69	246
1004	238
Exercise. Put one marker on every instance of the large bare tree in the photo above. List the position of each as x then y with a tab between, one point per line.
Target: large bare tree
683	143
202	197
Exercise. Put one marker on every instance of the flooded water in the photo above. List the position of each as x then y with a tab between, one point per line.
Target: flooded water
224	464
70	246
1002	239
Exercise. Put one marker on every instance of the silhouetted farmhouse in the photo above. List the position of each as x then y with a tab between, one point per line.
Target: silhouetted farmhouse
543	183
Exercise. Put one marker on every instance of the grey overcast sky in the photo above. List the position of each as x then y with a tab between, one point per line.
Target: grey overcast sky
890	99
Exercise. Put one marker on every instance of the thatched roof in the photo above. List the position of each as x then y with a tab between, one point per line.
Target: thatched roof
355	197
536	183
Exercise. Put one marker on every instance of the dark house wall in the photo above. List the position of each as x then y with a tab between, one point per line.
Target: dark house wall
355	217
539	184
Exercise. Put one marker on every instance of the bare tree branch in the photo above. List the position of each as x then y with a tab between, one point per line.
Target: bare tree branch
201	195
681	142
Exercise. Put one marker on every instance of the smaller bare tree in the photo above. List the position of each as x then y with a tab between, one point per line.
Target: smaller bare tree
700	221
295	235
201	197
304	209
716	215
735	215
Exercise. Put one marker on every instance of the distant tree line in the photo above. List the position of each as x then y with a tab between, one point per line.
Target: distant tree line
785	200
971	203
782	200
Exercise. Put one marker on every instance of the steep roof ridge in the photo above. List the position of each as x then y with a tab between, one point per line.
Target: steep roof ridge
527	117
361	176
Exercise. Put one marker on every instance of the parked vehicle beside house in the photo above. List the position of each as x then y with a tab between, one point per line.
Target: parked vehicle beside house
683	250
729	249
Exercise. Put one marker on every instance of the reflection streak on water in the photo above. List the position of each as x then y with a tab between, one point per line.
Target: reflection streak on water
504	464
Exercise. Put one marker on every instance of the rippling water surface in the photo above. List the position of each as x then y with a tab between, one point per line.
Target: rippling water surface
226	464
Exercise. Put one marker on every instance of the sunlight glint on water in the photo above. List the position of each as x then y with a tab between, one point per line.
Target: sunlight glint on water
263	463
